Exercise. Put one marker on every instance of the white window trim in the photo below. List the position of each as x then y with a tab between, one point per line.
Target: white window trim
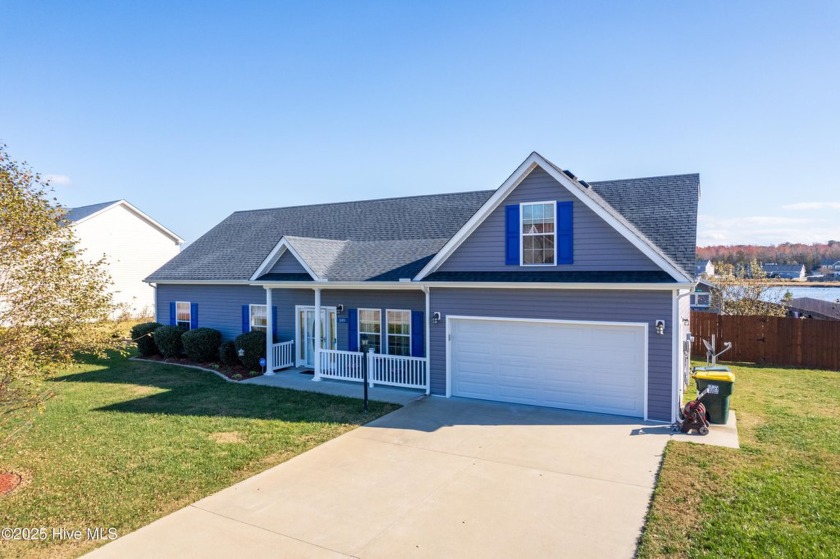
251	317
359	329
387	334
189	311
522	235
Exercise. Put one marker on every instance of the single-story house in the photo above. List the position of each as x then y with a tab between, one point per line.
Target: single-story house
701	297
704	268
785	271
133	244
547	291
809	307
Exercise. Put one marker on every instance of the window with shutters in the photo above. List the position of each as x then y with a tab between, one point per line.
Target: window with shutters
183	315
259	319
538	234
398	324
370	329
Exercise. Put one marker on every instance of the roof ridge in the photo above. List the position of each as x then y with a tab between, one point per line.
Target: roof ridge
647	178
416	196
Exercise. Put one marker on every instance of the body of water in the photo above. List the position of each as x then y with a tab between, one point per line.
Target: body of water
824	293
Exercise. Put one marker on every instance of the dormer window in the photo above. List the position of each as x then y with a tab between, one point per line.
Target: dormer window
538	234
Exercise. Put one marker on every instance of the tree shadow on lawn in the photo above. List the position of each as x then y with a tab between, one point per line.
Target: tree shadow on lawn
189	392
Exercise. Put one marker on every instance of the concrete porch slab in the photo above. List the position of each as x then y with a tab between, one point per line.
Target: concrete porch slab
296	379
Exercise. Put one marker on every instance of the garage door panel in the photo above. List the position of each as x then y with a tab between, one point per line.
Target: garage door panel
588	367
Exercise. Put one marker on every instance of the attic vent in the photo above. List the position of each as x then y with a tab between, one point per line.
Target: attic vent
584	183
569	174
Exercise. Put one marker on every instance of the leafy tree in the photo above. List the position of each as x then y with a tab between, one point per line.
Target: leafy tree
744	290
53	304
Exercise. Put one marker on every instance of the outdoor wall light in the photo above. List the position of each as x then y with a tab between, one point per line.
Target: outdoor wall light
660	327
435	317
241	353
339	308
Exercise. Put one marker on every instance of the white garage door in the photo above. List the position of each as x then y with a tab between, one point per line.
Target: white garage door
596	367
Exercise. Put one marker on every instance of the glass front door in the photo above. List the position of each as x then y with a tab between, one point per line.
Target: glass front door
306	333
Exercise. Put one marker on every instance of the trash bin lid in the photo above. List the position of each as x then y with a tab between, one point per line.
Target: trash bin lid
725	376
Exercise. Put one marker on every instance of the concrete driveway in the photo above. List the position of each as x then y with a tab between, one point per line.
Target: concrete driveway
437	478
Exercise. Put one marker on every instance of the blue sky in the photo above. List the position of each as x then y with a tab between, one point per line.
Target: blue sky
193	110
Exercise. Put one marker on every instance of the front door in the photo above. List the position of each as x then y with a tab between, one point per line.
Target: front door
306	333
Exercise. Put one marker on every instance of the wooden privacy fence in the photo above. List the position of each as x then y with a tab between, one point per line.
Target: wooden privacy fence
796	342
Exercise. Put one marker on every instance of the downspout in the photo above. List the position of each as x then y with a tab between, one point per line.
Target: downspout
677	380
427	321
269	337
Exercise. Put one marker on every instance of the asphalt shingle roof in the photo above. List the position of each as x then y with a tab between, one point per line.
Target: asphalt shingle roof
75	214
394	238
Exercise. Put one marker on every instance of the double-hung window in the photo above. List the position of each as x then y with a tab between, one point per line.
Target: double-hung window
399	332
183	316
538	234
259	320
370	329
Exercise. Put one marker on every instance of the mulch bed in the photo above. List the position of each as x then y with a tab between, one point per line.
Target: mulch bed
8	482
226	370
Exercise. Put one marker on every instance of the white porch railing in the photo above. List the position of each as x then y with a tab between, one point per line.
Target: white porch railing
342	365
390	370
397	370
283	355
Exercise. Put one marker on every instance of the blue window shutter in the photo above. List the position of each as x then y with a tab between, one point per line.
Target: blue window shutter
352	330
172	313
193	316
417	331
273	324
565	233
512	235
246	318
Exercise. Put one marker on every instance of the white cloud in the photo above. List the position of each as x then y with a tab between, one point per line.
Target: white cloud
765	230
58	180
812	206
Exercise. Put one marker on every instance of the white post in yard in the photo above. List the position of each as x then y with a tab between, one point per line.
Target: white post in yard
269	335
317	344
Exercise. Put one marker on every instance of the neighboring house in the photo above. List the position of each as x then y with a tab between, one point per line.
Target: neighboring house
704	268
547	291
133	244
701	297
829	267
784	271
808	307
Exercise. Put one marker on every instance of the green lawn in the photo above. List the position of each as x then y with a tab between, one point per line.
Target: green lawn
778	496
123	443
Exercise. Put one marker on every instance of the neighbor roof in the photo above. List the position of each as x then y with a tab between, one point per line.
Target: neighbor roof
794	268
82	213
395	238
78	214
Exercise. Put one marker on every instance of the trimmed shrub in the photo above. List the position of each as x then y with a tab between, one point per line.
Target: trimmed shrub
254	345
140	333
227	354
168	341
202	344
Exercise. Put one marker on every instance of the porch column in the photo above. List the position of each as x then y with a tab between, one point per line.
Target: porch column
317	376
269	338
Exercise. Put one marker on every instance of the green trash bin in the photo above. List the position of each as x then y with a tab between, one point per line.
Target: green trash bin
719	381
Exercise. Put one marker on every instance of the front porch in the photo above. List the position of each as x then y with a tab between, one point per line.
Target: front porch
349	366
296	378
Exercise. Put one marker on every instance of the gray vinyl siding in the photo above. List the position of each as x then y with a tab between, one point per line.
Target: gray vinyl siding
613	306
597	246
287	264
220	306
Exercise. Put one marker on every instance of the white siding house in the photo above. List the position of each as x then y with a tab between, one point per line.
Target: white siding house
134	244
